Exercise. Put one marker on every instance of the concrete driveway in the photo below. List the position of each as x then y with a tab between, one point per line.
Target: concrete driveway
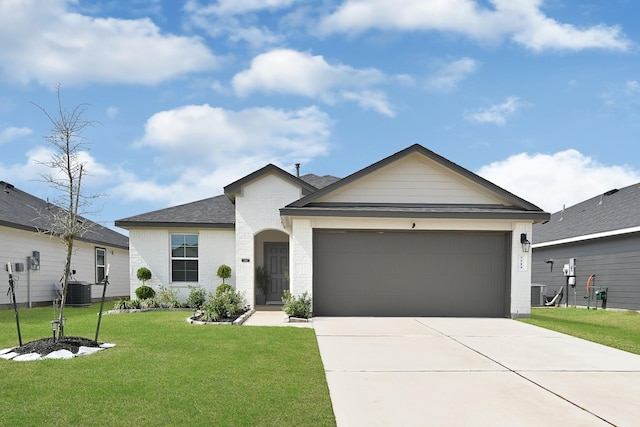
473	372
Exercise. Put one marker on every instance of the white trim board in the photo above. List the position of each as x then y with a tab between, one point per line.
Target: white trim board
587	237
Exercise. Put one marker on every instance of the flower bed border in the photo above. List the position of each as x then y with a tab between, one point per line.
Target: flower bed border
239	321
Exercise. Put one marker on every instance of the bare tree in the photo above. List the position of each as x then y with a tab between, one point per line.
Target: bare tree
67	170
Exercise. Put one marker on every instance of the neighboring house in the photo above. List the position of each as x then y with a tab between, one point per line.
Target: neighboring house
411	235
603	235
38	259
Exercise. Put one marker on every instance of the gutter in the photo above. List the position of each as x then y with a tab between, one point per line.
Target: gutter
587	237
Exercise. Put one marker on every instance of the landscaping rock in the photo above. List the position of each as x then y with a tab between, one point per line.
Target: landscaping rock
50	348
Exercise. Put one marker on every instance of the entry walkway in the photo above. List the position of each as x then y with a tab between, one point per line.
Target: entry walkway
273	316
473	372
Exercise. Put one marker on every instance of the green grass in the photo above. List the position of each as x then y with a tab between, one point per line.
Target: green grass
618	329
164	372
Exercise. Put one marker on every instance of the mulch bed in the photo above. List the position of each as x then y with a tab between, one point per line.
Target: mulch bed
49	345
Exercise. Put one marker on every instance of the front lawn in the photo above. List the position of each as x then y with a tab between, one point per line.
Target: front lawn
165	372
618	329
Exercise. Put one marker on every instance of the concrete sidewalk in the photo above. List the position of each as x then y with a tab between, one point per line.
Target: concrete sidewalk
473	372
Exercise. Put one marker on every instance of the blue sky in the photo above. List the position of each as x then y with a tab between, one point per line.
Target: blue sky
540	97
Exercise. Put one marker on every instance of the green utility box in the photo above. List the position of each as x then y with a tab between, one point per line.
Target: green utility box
601	295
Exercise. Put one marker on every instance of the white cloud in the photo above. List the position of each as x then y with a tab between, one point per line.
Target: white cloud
450	74
623	96
299	73
48	43
200	148
553	180
112	112
233	19
237	7
12	133
522	21
35	166
287	71
538	32
370	100
496	114
633	86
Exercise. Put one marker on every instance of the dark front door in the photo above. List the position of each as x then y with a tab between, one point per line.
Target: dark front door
277	262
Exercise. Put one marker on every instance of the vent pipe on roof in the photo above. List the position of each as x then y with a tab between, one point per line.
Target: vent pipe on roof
562	214
298	169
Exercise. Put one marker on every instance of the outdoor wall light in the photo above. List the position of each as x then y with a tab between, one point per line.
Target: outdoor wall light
526	244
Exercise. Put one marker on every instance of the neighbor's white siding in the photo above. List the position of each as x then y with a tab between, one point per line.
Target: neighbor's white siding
414	179
38	285
257	209
302	248
151	248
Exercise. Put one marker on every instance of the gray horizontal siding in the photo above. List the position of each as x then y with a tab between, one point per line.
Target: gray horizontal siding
615	261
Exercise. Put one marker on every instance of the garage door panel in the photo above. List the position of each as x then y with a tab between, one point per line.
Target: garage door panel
412	274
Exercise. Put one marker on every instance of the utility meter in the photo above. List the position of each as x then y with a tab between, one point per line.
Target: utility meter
570	271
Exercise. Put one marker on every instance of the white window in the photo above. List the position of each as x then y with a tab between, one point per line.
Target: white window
101	262
184	257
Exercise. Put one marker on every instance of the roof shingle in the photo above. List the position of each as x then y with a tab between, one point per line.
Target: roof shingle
214	212
26	212
613	210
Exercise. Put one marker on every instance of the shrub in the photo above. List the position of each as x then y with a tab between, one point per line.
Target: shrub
143	274
296	306
120	304
224	304
132	304
262	279
224	272
168	298
149	303
223	288
197	297
145	292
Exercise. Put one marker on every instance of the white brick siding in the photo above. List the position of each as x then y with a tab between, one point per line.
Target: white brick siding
257	210
151	248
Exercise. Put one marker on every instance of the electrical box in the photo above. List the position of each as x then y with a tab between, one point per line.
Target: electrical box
35	261
570	269
19	267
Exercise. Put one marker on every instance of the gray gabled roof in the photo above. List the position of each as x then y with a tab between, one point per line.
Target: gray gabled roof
23	211
521	209
218	211
607	212
214	212
319	181
235	187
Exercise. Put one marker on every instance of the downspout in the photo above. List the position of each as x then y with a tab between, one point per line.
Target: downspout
29	281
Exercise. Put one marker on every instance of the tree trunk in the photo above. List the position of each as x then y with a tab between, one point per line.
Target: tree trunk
65	286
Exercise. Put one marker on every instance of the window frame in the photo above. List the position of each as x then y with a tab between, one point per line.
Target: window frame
185	258
102	266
